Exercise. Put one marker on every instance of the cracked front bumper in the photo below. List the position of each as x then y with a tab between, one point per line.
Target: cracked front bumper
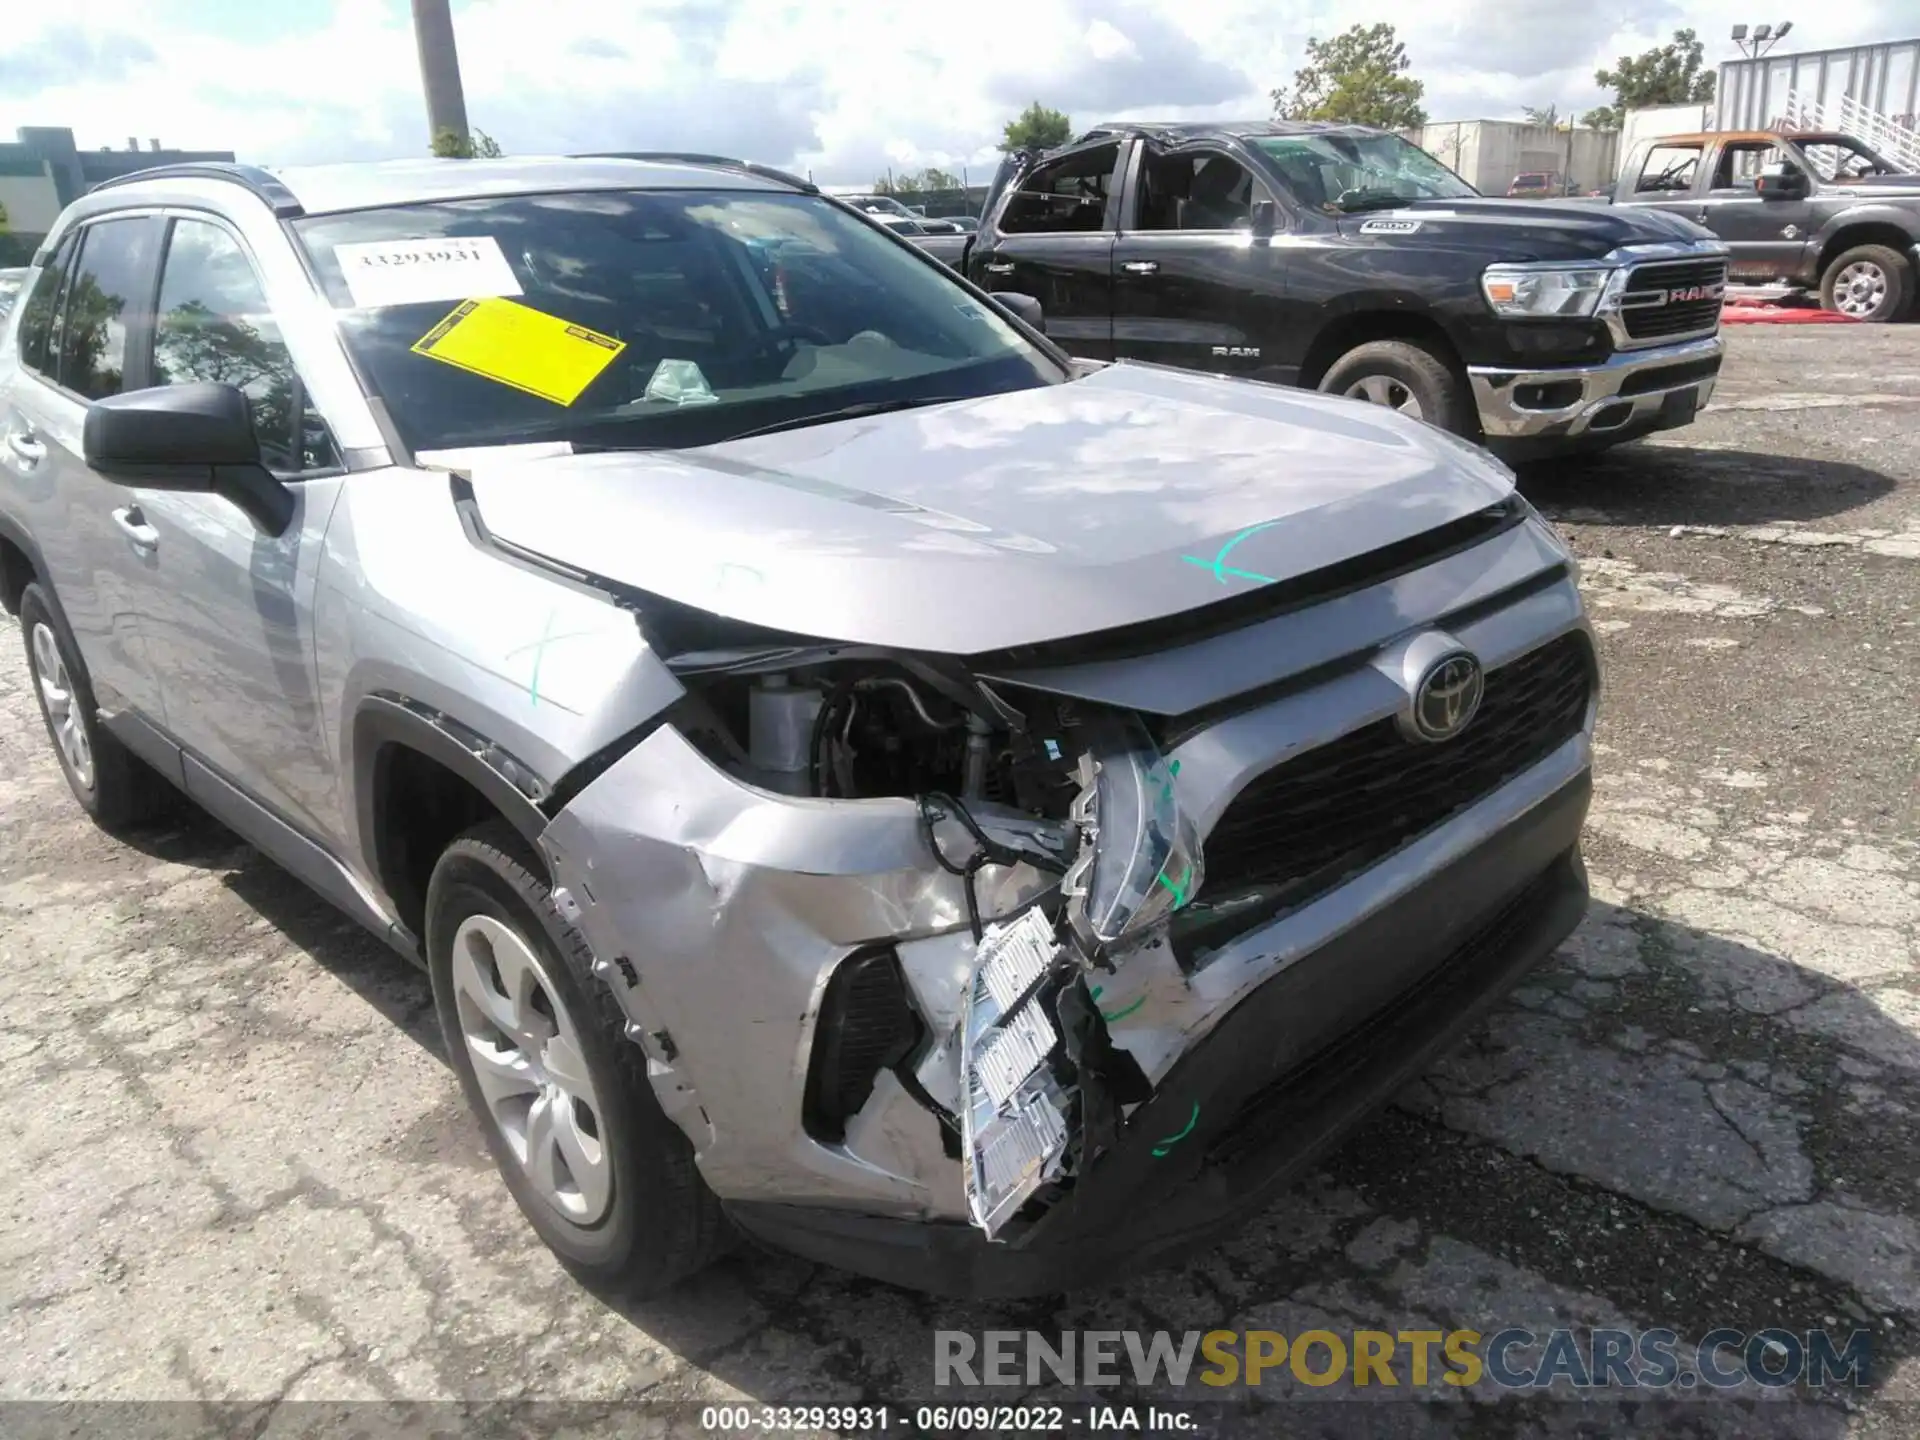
1308	1055
1632	393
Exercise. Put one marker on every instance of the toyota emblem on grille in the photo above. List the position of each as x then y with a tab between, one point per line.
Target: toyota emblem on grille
1447	696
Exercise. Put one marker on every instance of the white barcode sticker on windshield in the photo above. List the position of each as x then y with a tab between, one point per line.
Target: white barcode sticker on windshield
423	272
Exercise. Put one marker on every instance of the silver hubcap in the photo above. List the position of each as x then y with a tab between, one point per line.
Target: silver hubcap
1384	390
532	1070
63	710
1860	288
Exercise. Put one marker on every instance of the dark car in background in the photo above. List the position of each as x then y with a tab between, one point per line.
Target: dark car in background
1344	259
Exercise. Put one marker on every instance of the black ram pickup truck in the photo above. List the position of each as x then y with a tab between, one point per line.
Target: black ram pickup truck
1811	209
1343	258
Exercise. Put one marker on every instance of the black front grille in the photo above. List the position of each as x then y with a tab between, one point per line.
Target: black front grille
1670	377
1305	825
1645	321
1267	1111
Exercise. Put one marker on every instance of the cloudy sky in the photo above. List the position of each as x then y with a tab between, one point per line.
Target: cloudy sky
844	88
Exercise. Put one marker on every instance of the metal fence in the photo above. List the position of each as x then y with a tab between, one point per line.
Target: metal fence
1753	94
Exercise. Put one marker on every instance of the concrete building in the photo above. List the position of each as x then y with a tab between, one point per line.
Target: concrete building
42	170
1487	154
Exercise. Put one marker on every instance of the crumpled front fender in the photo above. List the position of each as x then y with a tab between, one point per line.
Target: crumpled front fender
716	913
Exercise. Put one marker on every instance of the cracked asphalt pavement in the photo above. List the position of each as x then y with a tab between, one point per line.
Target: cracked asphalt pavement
241	1171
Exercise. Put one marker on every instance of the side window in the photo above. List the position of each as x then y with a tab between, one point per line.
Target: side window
1742	162
1066	196
213	323
40	306
1196	191
106	300
1668	169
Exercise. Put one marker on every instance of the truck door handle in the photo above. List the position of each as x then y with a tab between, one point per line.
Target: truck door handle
998	267
1141	267
27	450
134	526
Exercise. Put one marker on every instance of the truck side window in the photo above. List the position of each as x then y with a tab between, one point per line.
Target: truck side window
1743	160
1200	191
1066	196
213	322
41	305
105	300
1668	169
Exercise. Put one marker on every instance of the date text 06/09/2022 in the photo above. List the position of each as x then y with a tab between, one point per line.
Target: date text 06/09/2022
937	1419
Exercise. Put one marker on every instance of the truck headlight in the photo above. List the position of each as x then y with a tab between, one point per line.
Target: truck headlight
1544	290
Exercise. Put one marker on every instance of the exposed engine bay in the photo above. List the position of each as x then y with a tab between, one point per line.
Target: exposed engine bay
1079	793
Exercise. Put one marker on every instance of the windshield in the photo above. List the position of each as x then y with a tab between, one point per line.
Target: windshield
647	318
1339	173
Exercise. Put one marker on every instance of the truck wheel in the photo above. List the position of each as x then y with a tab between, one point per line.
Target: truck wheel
1404	375
540	1047
1870	283
113	785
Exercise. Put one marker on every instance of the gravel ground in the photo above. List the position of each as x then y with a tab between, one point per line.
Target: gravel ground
242	1171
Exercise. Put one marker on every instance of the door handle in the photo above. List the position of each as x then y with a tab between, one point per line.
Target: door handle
134	526
1141	267
27	450
998	267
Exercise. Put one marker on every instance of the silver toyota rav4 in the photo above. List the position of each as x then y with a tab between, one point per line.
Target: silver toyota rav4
853	775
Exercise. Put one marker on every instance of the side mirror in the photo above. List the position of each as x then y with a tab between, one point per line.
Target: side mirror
1266	219
1781	182
1024	307
196	438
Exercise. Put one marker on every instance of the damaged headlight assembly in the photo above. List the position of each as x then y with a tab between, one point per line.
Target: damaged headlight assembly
1042	1088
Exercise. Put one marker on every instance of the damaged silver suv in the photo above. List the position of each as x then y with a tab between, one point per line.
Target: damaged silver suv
855	776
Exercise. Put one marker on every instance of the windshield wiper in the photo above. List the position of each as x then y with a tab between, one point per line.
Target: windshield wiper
844	412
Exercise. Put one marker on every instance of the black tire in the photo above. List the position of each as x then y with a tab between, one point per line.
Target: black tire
662	1223
1408	367
1896	284
122	790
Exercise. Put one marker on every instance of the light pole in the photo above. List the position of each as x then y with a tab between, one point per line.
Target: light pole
439	70
1762	38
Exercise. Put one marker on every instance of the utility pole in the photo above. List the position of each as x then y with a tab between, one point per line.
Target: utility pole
439	69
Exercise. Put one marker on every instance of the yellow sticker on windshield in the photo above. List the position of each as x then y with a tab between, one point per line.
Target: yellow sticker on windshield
514	344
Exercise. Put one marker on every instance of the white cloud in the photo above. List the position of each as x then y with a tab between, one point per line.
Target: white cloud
842	87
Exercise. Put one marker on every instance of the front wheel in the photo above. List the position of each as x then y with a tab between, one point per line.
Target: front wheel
1406	376
1871	283
113	785
539	1045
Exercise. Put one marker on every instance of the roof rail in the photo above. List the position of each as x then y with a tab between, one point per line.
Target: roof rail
263	183
694	157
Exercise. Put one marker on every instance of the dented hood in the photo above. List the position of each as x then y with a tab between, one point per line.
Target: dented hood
1130	494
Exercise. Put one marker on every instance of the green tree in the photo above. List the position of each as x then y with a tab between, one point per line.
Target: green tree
452	145
1602	117
1036	128
937	179
90	338
1669	74
1359	78
1543	115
